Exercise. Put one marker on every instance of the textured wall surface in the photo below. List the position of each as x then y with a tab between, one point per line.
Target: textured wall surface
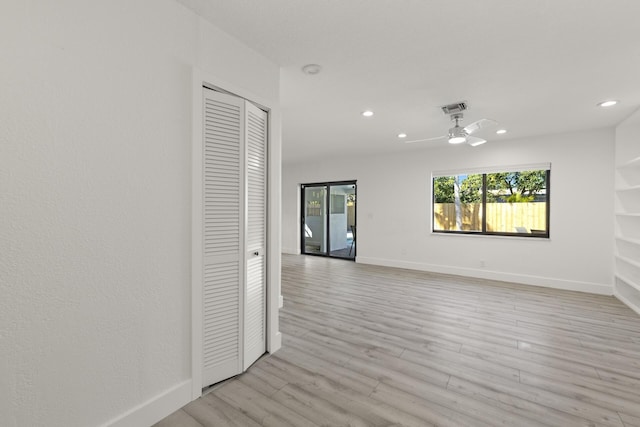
95	201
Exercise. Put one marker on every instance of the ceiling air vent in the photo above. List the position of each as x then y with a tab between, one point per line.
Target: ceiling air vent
456	108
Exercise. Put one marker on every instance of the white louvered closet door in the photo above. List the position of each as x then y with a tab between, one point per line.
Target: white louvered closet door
255	316
234	218
223	236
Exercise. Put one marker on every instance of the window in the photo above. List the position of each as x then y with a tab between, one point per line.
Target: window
510	201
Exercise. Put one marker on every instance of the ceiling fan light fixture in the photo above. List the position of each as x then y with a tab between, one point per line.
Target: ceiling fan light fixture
457	135
402	135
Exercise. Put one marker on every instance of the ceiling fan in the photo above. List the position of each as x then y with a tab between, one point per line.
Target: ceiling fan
458	134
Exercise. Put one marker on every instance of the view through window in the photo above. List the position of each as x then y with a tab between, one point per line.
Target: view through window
512	202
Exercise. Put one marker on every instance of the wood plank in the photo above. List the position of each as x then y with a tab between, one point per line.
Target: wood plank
509	403
630	421
432	412
317	408
260	408
216	413
178	418
584	394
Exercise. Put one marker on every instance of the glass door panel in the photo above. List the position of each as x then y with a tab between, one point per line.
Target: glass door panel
315	220
342	220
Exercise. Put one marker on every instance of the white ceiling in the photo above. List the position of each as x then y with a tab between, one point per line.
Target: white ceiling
538	67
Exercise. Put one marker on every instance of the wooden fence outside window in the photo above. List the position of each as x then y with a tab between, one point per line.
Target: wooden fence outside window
501	217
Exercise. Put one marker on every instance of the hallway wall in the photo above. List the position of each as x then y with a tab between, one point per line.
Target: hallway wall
95	201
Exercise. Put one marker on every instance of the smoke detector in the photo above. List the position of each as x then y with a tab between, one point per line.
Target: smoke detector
311	69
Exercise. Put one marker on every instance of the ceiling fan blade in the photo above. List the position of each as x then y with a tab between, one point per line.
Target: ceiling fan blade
480	124
423	140
474	141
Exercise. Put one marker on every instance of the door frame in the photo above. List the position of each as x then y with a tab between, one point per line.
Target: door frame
328	184
273	336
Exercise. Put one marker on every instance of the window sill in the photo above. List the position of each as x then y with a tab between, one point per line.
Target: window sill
529	237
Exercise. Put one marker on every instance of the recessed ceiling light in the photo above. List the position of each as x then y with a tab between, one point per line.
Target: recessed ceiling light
402	135
367	113
610	103
501	131
311	69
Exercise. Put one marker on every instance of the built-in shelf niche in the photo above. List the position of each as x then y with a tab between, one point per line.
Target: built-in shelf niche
627	214
628	248
628	226
629	270
628	199
633	164
628	293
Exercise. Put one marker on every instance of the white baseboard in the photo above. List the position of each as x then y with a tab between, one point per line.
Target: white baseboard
291	251
627	302
276	343
156	408
548	282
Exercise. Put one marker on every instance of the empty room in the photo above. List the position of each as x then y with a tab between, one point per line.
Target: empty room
317	213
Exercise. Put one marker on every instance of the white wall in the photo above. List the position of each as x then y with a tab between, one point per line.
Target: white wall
95	201
394	211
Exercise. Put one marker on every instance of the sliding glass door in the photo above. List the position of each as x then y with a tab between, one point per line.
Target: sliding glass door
329	219
315	219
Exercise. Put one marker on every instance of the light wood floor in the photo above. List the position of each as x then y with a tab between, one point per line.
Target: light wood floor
376	346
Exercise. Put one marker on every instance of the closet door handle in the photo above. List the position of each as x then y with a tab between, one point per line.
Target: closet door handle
256	253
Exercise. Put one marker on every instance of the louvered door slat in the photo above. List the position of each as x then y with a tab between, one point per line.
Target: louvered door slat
254	339
223	236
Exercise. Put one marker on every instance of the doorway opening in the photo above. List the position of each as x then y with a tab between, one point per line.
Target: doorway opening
328	223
